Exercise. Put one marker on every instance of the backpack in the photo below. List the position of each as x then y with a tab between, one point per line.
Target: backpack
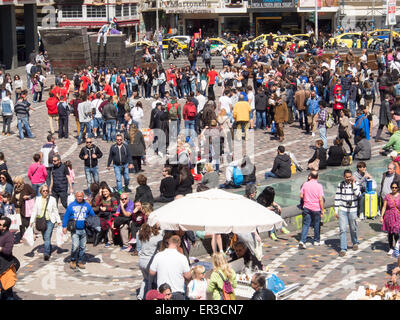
77	81
6	108
207	55
330	122
237	176
34	70
173	111
275	284
51	155
368	93
192	111
227	289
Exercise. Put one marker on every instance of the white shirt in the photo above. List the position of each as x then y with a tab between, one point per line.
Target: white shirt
225	103
170	266
28	68
250	96
45	151
95	105
137	114
202	101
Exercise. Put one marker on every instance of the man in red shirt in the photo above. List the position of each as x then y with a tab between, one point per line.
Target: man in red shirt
212	74
338	104
85	82
108	91
52	110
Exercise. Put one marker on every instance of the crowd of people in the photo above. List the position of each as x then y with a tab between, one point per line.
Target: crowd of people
261	89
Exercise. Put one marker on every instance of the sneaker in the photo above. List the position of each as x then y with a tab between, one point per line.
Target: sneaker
127	189
107	245
123	248
355	247
132	241
342	253
318	243
273	236
46	257
81	265
390	252
285	231
72	265
302	245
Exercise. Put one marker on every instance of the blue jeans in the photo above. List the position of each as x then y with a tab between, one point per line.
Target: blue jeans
309	217
322	135
344	219
78	245
47	237
261	119
270	174
190	129
110	129
89	172
36	187
88	131
352	107
24	122
118	175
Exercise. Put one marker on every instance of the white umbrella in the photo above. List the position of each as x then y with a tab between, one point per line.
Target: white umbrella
216	211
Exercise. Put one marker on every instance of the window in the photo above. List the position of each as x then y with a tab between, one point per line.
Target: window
96	11
118	10
134	11
126	10
72	11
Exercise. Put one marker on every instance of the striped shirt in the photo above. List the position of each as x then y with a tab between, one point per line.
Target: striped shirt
346	198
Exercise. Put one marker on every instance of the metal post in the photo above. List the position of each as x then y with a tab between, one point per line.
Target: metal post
316	20
157	22
391	37
107	12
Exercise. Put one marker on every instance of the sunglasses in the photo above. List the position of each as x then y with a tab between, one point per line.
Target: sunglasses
124	198
395	187
45	190
88	142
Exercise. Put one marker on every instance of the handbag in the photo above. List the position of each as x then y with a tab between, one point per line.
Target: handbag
71	225
390	127
15	221
40	222
29	204
227	292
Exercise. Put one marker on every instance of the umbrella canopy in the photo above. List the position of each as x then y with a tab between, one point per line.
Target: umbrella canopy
216	211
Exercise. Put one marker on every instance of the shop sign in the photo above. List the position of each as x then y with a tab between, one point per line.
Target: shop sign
391	12
260	4
186	7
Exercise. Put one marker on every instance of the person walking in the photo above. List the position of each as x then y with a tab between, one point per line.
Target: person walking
21	109
8	263
312	195
78	211
63	117
120	156
384	117
85	117
171	267
52	111
91	154
281	115
37	174
7	111
47	152
46	205
110	115
391	215
344	131
241	115
346	206
137	147
60	181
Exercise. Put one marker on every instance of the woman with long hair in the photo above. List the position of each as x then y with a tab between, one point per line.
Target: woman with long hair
137	114
221	272
18	84
137	147
391	215
150	239
345	128
185	181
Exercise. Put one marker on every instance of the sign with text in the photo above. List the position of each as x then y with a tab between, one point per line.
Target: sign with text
320	3
260	4
391	13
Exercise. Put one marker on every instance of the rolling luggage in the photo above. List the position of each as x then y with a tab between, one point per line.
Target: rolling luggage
371	205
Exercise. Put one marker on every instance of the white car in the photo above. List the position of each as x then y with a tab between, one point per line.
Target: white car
184	39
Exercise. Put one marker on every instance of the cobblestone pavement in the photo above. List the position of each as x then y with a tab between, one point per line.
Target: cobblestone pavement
112	274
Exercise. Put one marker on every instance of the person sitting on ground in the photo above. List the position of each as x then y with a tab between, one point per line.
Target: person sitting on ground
320	153
281	167
394	141
336	153
258	283
143	191
230	176
248	170
362	151
167	186
242	251
185	181
210	178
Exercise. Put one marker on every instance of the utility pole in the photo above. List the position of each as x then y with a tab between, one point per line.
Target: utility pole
157	22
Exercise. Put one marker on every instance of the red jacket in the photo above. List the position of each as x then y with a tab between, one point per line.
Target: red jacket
186	111
51	104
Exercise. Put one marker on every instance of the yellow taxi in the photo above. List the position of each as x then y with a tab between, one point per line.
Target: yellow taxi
302	36
144	43
282	39
347	39
179	45
257	40
382	33
219	44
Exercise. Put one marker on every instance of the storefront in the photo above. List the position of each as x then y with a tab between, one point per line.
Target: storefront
235	24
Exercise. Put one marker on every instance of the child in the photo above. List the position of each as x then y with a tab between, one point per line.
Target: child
197	288
139	217
7	209
68	164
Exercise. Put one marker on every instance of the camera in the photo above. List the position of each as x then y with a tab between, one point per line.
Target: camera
349	203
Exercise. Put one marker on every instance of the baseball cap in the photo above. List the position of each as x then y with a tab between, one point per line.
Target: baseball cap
393	154
154	295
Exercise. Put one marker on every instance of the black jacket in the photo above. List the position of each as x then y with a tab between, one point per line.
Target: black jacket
263	294
185	186
119	158
282	165
144	194
138	147
321	156
110	112
336	155
90	162
261	101
167	187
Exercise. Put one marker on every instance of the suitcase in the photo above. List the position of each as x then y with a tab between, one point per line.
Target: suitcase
371	205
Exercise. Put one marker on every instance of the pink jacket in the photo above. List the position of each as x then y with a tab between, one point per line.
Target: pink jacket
37	176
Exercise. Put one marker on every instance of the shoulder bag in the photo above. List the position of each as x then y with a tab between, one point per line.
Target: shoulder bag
315	164
40	222
227	292
71	225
